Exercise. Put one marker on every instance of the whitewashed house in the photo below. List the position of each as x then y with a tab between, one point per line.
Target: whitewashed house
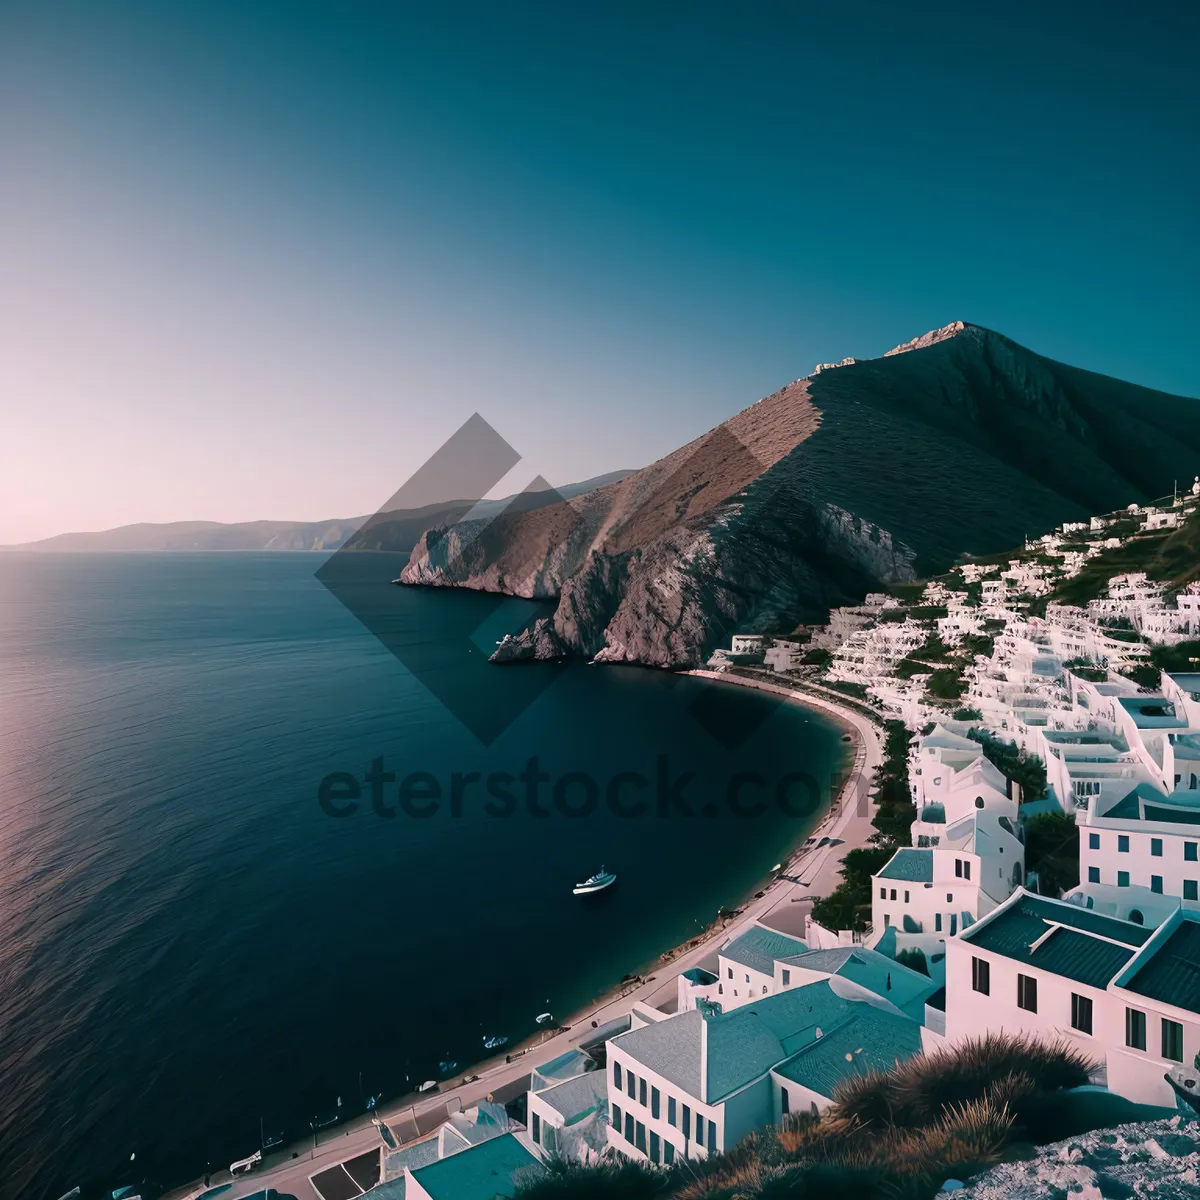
696	1083
567	1109
1126	995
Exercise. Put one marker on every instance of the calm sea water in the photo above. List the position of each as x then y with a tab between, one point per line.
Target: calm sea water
189	943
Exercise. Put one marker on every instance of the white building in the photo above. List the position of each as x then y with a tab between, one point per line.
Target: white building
1126	995
697	1082
496	1167
567	1109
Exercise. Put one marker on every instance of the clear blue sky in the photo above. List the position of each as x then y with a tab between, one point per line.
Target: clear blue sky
259	259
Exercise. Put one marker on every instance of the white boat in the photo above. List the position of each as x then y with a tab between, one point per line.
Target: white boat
597	883
542	1018
428	1086
245	1165
493	1043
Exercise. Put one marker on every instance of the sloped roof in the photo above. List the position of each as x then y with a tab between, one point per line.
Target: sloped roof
1172	973
758	948
1061	938
870	969
870	1040
670	1047
1145	802
942	738
493	1168
576	1097
915	866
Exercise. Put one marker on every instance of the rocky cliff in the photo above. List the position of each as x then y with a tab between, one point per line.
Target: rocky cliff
863	474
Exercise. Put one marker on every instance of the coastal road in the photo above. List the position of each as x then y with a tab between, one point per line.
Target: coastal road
782	905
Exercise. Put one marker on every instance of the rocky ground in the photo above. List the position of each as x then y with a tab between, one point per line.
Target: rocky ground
1159	1159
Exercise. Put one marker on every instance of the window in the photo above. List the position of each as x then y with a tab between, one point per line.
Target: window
887	920
699	1129
1093	874
785	1105
1093	841
1135	1028
617	1075
1027	993
883	893
537	1128
1172	1040
1122	879
981	976
616	1118
629	1128
748	977
893	895
1189	890
1156	884
671	1114
764	989
1189	851
712	1137
937	922
1081	1013
642	1092
1122	843
949	897
631	1084
640	1140
906	896
787	977
668	1153
966	870
687	1122
655	1101
653	1146
730	970
958	867
1156	847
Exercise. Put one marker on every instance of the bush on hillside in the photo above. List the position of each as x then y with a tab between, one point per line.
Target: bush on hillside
1007	757
1052	850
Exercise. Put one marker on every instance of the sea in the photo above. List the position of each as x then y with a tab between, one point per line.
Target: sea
259	865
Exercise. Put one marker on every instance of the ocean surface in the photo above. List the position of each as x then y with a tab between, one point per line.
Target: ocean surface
190	942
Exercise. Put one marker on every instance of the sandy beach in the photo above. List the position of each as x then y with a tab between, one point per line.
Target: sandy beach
783	903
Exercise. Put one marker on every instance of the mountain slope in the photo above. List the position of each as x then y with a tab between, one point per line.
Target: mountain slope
859	475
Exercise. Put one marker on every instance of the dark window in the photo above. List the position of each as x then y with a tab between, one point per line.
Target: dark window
616	1118
966	870
671	1115
1093	874
1156	847
1122	879
1135	915
655	1101
1172	1040
937	922
629	1128
906	895
949	897
642	1092
883	893
784	1102
1189	890
958	867
893	896
1135	1028
981	975
712	1137
1156	884
537	1128
668	1153
631	1084
653	1146
617	1075
1027	993
1081	1013
1093	841
1122	843
640	1140
730	969
787	977
687	1122
699	1129
1189	851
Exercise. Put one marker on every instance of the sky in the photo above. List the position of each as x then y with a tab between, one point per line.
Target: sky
260	260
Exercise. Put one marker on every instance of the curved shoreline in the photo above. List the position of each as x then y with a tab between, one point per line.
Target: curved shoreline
804	875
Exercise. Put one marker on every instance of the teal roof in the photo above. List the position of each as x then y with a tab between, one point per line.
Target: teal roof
871	1040
935	814
1172	973
876	972
493	1168
1152	712
670	1047
758	948
1147	803
1085	946
916	866
748	1042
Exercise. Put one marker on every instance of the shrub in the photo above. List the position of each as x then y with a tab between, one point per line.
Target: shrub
1052	850
913	959
609	1179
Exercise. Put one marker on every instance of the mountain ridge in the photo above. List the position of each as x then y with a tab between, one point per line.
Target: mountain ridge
859	475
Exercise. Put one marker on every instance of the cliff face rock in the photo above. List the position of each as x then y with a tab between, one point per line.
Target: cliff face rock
864	474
